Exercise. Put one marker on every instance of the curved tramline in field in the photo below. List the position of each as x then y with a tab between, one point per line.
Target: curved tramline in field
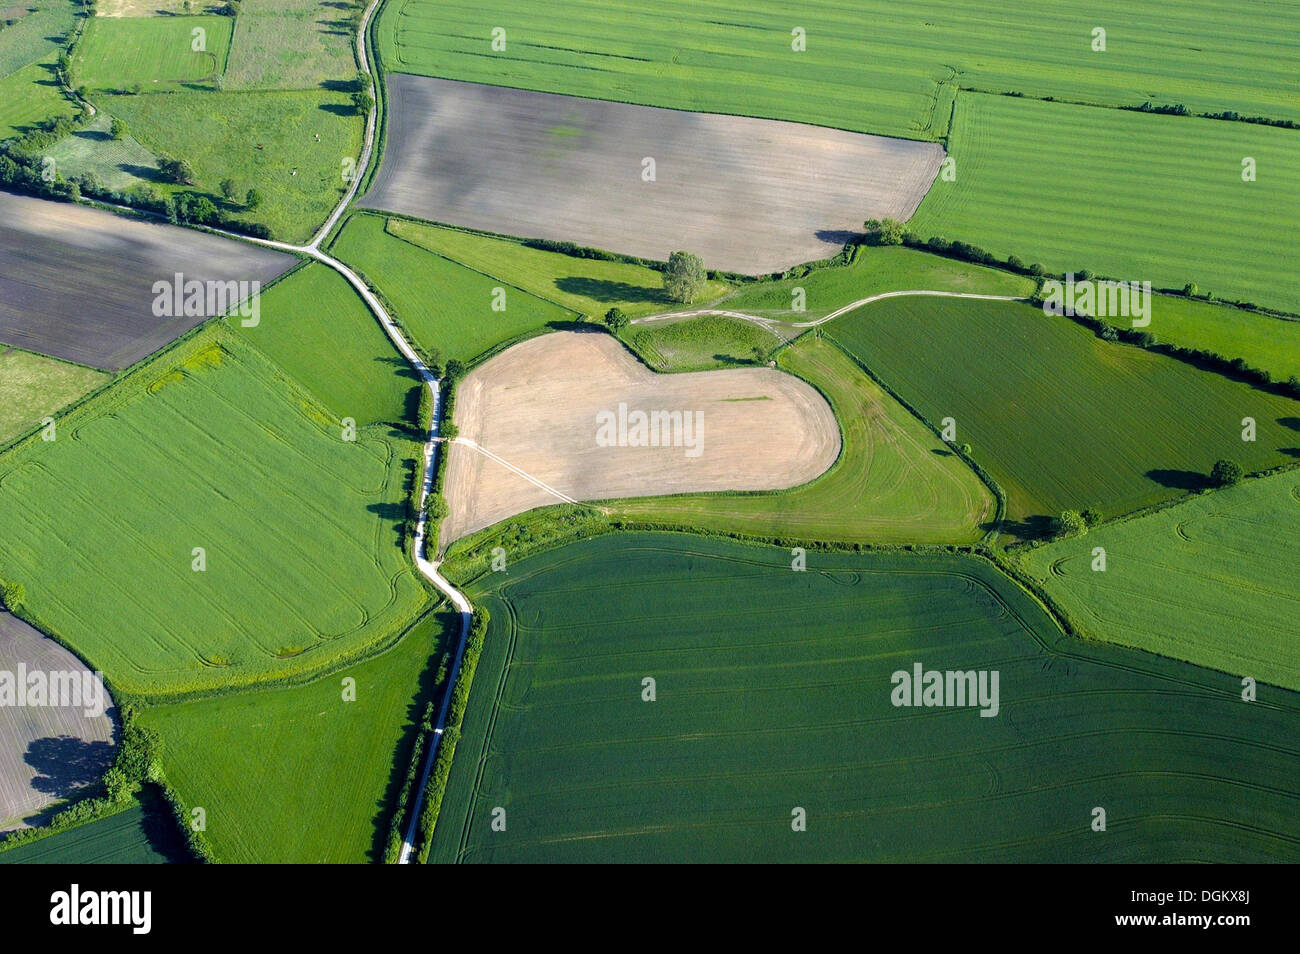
717	711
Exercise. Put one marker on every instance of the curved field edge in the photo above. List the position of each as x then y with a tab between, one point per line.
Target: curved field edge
743	729
234	473
1206	580
894	480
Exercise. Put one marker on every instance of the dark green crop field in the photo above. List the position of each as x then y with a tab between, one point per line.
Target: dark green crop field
1059	417
773	693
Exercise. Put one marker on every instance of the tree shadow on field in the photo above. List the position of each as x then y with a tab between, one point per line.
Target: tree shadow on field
939	451
1034	527
340	109
93	135
732	359
140	172
395	513
581	327
1292	422
1290	451
837	236
53	78
1179	479
446	624
65	764
607	291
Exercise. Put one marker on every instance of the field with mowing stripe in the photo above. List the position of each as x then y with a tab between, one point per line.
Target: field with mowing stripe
773	691
869	65
298	775
875	269
156	52
587	286
1060	418
1039	180
33	386
318	329
443	305
35	35
1211	580
288	145
893	483
120	164
210	446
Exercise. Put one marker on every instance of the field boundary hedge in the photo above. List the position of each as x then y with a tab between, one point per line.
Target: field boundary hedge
441	771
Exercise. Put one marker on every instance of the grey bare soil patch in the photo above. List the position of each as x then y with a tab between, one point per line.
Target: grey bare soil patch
748	195
47	753
77	283
535	407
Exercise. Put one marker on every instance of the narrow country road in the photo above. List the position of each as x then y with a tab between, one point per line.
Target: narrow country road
429	568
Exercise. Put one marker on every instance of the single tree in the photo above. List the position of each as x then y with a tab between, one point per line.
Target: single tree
204	211
684	276
13	595
1070	523
1226	473
436	507
117	128
176	170
616	319
1091	516
886	231
228	189
455	368
363	101
448	431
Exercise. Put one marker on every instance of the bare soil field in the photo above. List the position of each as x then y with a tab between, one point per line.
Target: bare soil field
550	407
748	195
77	283
47	753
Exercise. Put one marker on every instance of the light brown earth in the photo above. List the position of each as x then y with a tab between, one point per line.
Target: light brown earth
536	406
143	8
748	195
46	753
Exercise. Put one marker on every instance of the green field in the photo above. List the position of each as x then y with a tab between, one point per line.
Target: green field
266	141
1039	180
297	775
1059	417
30	95
442	304
210	446
893	483
1269	344
116	53
120	164
874	270
290	44
773	691
34	35
587	286
700	344
145	834
33	386
869	65
317	328
1211	580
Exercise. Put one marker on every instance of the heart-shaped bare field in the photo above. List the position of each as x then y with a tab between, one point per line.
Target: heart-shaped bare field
573	416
